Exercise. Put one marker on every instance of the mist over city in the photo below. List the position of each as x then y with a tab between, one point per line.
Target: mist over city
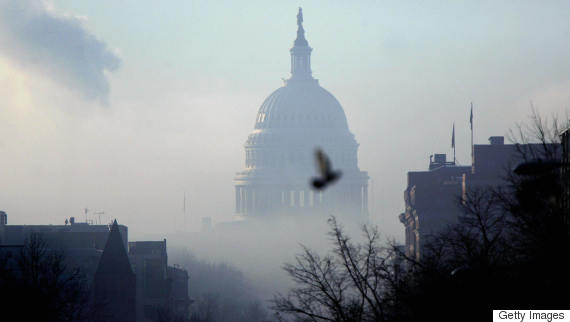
284	161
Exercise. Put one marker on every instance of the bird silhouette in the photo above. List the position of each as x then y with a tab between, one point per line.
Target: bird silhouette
327	175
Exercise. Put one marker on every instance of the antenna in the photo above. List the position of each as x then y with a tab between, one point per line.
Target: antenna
99	213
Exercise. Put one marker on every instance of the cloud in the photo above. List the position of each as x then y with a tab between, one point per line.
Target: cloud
57	46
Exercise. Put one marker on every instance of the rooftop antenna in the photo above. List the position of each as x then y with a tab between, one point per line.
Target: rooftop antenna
99	213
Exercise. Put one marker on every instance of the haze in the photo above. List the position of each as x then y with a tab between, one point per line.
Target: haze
127	106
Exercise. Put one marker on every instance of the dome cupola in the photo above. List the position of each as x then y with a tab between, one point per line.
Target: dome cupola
301	53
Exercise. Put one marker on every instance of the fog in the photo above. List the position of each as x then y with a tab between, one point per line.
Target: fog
140	110
259	249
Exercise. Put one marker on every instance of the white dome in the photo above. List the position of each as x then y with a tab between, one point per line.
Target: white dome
301	104
291	123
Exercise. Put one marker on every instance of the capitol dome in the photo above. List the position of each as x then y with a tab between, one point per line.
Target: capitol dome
291	123
301	105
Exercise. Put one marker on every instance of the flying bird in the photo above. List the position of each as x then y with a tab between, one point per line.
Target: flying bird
327	175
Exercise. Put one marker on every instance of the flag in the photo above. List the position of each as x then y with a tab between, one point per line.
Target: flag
453	136
471	116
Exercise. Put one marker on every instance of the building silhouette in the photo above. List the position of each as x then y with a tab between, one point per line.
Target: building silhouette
72	235
162	290
82	243
115	282
179	301
279	154
431	201
432	197
100	253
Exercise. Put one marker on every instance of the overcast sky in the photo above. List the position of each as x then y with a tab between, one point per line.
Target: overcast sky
122	106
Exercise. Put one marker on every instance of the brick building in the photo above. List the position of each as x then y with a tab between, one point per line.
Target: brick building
432	197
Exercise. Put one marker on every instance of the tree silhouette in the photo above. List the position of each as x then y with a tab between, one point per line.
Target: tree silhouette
509	249
37	285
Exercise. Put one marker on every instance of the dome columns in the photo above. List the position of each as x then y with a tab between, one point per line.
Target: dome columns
301	63
262	199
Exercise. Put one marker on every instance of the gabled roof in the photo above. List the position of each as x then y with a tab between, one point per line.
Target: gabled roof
114	258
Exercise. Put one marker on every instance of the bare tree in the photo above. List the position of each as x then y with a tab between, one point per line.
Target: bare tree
349	284
37	285
508	249
537	139
480	237
220	291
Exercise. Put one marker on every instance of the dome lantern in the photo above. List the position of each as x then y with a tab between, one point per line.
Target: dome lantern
301	54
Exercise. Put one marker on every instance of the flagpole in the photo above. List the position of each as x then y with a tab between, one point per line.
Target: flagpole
472	147
453	142
454	160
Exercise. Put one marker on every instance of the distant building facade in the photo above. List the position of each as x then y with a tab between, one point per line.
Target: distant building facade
100	251
432	197
279	154
431	200
73	235
81	243
162	290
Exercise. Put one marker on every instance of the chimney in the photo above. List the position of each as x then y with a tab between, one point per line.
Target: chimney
497	140
439	158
